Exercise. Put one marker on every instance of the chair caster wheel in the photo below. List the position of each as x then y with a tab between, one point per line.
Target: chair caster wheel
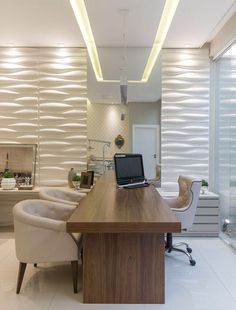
192	262
189	250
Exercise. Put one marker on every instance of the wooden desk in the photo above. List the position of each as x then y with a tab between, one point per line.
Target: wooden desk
123	243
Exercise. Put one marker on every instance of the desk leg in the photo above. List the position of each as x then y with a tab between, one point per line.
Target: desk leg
123	268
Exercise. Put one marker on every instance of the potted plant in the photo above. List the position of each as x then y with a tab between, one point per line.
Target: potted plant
76	181
204	186
8	180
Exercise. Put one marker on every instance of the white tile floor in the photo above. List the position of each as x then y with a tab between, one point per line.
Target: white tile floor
210	285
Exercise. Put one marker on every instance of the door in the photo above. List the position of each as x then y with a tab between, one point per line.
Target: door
145	142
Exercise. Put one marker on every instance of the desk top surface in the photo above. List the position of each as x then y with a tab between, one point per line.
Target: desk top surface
110	209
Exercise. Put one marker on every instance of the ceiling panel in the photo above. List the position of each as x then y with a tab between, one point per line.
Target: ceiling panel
194	22
107	21
115	65
110	92
38	23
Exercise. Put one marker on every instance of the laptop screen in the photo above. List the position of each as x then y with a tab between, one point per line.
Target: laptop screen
128	168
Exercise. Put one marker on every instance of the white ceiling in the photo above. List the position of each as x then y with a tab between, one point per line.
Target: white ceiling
51	22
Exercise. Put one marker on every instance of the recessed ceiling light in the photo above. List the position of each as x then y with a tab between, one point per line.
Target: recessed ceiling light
164	25
81	15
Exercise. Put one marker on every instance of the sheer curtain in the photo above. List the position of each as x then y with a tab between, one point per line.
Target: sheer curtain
226	104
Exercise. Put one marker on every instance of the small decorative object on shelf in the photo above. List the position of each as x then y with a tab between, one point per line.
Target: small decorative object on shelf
25	187
76	181
204	186
86	179
8	181
71	175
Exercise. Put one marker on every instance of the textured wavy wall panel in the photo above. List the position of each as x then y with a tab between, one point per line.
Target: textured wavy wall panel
43	100
185	114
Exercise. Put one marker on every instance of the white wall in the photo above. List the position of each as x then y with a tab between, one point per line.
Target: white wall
143	113
185	114
104	123
43	101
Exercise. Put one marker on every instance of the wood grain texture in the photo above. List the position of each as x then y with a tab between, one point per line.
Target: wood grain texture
110	209
8	198
123	268
123	244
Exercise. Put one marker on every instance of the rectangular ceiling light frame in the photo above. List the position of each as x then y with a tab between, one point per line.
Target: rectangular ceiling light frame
81	15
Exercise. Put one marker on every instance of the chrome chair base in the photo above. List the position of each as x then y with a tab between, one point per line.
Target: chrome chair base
169	247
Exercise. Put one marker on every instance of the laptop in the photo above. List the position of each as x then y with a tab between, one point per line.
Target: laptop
129	170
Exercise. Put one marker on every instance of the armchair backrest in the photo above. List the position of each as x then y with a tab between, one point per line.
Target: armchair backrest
61	195
187	200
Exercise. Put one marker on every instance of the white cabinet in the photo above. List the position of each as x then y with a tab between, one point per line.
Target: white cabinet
206	221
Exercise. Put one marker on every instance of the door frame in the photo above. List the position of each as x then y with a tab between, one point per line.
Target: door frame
158	142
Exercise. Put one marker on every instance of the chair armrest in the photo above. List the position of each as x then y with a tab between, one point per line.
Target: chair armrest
49	210
61	195
180	209
72	198
42	222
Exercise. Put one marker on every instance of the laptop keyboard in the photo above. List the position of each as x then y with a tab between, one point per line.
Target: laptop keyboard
136	185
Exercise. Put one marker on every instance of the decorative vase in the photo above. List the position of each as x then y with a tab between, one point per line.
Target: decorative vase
8	183
204	190
76	184
71	174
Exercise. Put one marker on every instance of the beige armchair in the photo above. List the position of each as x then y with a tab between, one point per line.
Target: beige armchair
41	237
61	195
184	207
